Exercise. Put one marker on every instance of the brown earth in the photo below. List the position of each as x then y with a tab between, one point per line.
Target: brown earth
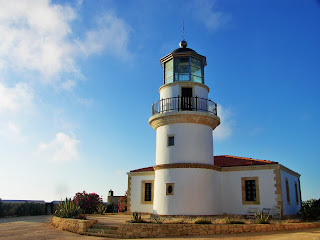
39	228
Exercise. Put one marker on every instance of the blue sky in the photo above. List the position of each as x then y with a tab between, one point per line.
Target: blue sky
78	78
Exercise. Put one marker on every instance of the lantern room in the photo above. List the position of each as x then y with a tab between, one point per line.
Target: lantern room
183	64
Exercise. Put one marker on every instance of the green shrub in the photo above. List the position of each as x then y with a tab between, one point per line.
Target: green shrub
4	209
310	210
30	209
202	221
67	209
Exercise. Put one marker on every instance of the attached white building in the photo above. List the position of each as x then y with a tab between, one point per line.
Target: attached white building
187	179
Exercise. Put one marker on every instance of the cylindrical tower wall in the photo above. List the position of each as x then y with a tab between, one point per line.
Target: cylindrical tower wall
174	90
192	144
195	192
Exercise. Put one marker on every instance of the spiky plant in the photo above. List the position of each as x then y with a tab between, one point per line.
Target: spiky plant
67	209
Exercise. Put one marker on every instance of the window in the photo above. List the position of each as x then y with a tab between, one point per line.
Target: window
296	189
287	191
147	192
170	188
250	190
170	140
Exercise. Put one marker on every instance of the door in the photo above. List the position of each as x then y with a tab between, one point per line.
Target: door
186	99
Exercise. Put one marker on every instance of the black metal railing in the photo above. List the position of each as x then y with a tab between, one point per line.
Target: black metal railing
184	104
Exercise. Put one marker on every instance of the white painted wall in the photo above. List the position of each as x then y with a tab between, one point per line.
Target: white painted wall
293	207
192	144
232	190
174	91
136	184
196	192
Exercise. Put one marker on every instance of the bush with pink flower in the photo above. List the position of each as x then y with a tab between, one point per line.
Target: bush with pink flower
88	202
122	203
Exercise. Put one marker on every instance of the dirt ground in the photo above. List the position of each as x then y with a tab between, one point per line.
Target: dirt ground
39	228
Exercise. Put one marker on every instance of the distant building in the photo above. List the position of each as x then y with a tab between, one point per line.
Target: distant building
187	179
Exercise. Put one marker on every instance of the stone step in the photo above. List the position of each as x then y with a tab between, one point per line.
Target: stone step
104	226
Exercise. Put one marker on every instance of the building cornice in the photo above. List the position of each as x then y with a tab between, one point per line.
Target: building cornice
186	165
196	117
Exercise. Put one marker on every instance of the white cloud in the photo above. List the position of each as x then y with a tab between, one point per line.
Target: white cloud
37	37
11	132
15	98
111	36
224	130
207	13
61	149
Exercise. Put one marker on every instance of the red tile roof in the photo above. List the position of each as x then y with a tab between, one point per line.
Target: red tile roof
231	161
146	169
225	161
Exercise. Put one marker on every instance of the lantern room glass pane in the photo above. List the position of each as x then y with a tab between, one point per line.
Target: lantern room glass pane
196	79
196	71
168	74
195	62
182	69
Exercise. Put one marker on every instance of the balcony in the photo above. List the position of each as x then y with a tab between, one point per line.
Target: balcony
176	104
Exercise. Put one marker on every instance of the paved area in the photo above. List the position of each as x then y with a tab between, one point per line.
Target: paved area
39	228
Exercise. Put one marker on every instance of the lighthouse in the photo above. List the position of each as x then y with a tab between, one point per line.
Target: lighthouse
185	180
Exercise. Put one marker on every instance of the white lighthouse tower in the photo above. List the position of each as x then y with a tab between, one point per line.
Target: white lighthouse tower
185	182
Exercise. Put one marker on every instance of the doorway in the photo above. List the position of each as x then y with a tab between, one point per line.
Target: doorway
186	99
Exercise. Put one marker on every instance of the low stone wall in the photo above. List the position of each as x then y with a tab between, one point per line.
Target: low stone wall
72	225
143	230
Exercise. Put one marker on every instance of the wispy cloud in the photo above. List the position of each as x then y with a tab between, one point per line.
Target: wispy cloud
14	98
224	130
61	149
207	13
38	37
11	132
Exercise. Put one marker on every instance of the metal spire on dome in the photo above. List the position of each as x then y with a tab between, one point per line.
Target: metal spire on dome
182	30
183	43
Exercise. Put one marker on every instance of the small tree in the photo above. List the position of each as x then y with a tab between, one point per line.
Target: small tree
122	203
88	202
310	209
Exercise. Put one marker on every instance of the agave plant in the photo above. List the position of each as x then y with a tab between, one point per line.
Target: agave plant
67	209
101	208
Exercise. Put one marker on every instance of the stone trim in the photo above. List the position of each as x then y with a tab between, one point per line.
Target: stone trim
195	117
143	189
129	195
184	84
243	187
278	186
185	165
